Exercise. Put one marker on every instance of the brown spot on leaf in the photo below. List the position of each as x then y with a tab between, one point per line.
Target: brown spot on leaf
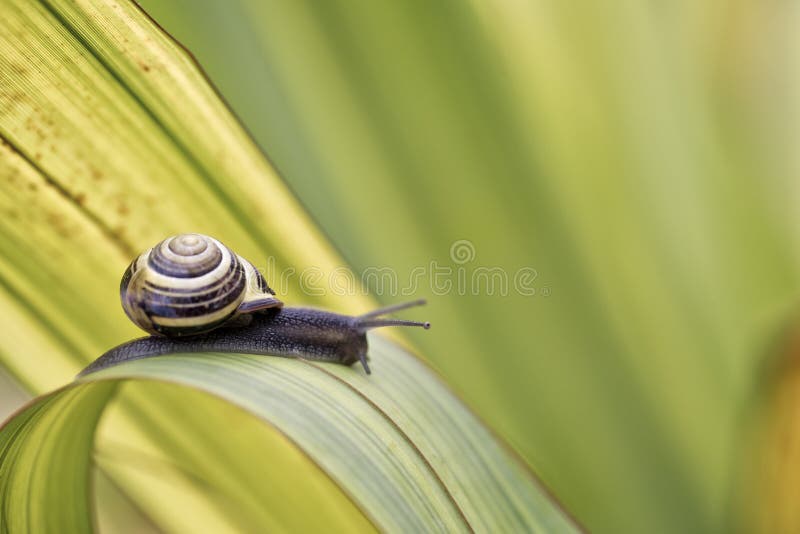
13	97
58	224
118	232
18	69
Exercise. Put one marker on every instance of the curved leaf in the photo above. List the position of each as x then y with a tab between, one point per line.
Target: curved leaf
406	451
640	156
111	139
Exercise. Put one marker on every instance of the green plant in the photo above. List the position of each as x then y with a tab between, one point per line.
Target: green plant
112	137
638	156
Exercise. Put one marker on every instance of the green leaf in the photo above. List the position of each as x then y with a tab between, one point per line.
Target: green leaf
45	455
406	451
112	139
640	156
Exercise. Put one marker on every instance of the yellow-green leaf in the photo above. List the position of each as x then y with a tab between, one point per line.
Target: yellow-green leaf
640	156
406	451
112	139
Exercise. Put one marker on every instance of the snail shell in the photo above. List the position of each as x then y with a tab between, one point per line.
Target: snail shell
189	284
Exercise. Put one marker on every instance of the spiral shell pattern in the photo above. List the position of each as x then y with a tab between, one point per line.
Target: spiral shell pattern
189	284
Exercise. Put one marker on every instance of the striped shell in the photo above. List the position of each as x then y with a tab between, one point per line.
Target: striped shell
189	284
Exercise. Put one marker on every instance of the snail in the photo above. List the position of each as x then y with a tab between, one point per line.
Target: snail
194	294
190	284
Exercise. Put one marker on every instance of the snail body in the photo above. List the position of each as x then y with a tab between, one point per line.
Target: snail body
190	303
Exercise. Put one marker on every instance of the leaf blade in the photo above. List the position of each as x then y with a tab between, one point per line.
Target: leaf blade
26	474
366	446
105	157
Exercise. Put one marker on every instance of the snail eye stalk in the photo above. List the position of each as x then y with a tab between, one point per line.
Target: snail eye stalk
393	308
375	319
377	323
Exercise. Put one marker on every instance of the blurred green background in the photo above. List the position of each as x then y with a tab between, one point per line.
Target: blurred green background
639	156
